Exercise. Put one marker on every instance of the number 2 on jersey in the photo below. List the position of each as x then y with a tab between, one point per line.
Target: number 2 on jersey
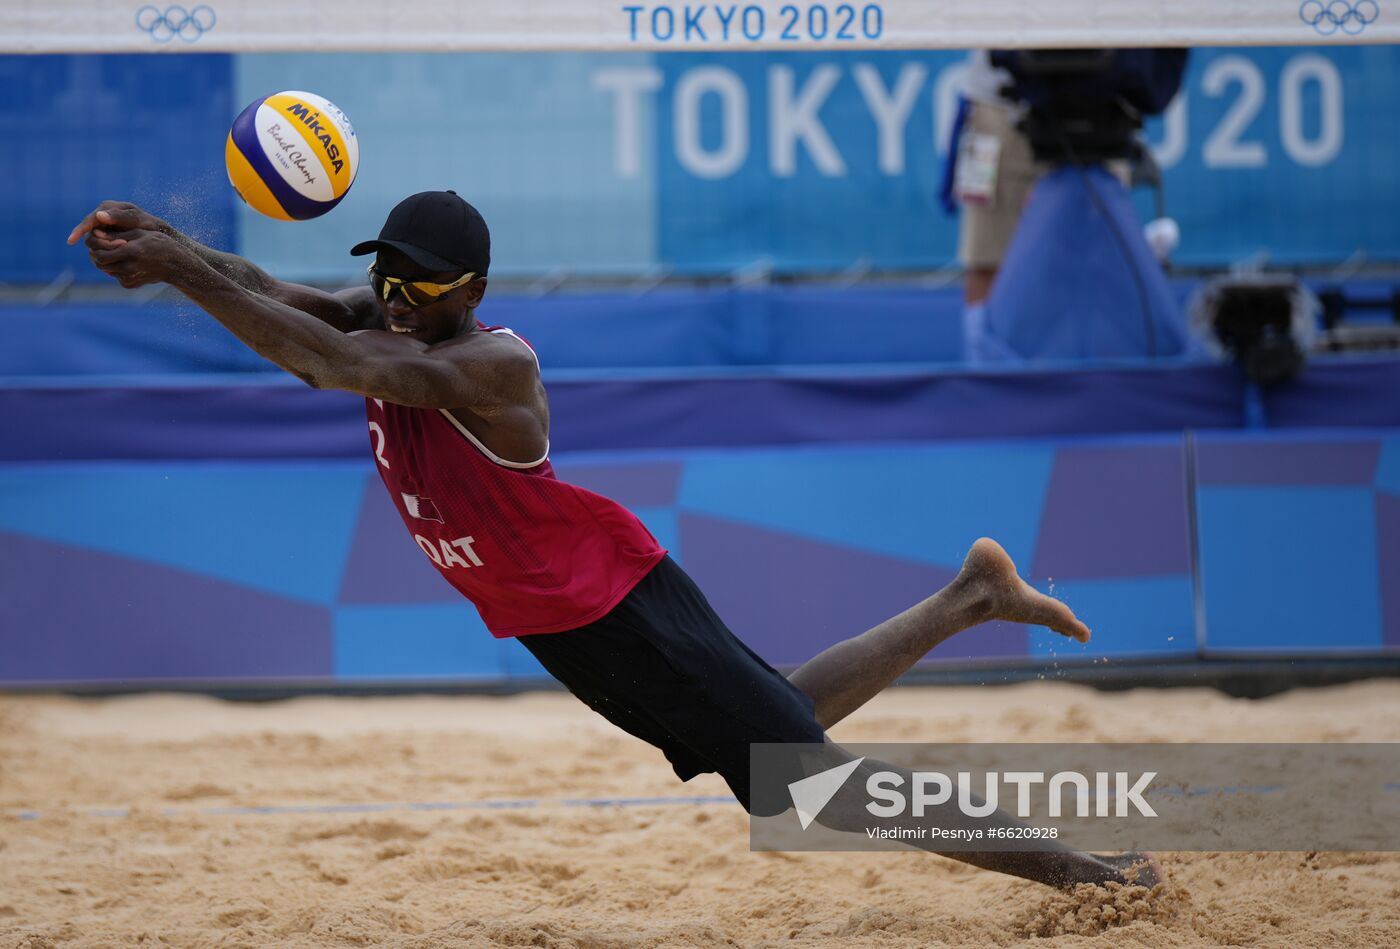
379	439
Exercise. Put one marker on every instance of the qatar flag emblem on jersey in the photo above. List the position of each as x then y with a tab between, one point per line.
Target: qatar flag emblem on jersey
422	508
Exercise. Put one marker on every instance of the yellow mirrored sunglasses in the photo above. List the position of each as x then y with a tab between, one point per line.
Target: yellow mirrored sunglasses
415	292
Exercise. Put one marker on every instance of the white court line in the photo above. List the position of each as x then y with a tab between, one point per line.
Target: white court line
506	804
489	805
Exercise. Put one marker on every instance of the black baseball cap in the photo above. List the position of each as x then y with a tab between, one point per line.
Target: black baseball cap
436	229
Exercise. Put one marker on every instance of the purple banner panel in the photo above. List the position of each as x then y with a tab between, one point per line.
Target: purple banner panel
1115	511
236	422
790	597
785	411
1339	393
287	420
1253	461
88	615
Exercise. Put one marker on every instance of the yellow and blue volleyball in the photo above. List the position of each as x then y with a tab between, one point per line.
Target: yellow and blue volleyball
292	155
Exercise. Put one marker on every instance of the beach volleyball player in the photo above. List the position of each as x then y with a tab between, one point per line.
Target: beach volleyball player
459	430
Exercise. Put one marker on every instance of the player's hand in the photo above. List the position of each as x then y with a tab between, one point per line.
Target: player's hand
117	216
137	257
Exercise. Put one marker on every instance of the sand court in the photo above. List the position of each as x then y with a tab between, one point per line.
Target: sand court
472	821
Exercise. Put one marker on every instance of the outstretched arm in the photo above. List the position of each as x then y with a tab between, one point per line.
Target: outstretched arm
485	374
347	310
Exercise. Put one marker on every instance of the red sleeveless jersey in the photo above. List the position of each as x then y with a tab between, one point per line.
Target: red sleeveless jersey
535	554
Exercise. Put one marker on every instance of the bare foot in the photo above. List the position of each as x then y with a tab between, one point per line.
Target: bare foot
990	575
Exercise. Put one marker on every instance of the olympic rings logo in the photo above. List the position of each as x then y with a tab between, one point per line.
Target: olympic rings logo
1327	18
189	25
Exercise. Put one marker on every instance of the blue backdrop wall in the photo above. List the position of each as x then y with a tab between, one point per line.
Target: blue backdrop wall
688	163
236	532
256	571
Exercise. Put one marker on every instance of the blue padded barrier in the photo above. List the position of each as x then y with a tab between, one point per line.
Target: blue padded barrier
301	571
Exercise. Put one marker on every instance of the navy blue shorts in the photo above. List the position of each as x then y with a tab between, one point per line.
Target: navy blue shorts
664	667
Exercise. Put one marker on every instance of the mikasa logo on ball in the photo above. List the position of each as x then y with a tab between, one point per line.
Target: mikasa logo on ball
292	155
312	120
